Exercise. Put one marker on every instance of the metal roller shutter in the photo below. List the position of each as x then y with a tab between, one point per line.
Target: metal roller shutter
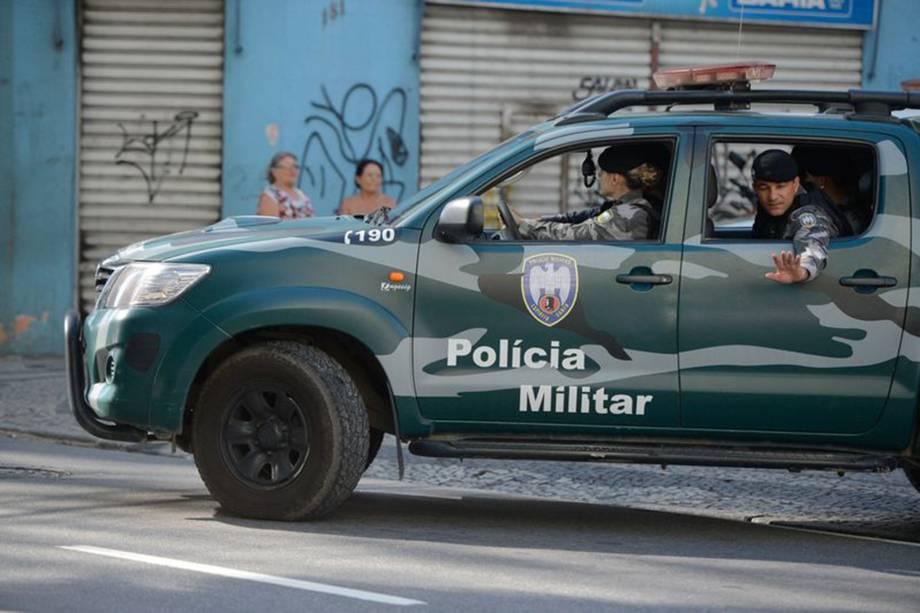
805	58
150	123
489	73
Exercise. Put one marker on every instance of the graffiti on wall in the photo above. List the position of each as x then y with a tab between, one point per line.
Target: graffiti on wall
590	85
362	125
332	11
152	152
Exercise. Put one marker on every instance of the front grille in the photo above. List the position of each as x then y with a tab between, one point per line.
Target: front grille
104	272
102	276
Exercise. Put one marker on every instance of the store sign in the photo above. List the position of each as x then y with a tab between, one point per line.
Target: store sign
853	14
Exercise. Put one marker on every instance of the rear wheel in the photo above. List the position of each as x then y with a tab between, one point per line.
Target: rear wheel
280	432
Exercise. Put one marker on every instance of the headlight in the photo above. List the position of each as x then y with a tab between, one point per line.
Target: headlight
150	284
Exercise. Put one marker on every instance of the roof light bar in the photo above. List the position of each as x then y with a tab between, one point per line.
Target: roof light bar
713	76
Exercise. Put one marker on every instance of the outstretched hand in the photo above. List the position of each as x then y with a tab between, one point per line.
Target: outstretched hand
788	268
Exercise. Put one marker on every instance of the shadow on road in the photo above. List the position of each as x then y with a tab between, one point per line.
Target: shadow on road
484	521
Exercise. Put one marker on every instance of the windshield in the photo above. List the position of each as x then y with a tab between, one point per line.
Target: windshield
488	158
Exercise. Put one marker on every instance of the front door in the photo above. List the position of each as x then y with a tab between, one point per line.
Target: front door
560	336
812	357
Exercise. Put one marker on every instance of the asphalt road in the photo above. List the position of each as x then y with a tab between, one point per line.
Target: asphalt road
102	530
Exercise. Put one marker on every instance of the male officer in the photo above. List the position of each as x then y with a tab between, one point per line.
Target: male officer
787	211
626	170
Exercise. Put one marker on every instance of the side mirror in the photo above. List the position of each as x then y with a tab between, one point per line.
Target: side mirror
460	219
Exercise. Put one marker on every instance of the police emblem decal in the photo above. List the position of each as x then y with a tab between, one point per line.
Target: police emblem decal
808	220
549	285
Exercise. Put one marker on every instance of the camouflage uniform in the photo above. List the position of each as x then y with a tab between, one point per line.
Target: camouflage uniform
811	222
628	218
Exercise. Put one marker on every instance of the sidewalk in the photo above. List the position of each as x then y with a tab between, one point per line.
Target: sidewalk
33	397
33	400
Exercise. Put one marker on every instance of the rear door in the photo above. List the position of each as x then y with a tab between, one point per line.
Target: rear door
812	357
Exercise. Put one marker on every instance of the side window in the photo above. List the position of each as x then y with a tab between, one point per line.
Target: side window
841	175
548	187
571	188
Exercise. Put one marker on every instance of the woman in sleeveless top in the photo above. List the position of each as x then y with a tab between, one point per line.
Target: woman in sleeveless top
369	181
281	198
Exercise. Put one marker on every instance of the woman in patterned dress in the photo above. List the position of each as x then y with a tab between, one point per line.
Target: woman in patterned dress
281	198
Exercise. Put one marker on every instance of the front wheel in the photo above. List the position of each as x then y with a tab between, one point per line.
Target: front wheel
280	432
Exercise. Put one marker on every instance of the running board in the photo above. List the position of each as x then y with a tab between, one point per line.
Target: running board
648	453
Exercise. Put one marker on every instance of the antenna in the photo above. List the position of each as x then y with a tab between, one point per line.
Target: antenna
740	28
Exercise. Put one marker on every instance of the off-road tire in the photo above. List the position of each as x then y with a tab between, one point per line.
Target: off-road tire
334	421
375	439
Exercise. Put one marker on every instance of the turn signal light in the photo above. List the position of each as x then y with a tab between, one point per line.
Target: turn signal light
397	277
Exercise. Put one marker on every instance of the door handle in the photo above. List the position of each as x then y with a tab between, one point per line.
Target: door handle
645	279
865	281
868	281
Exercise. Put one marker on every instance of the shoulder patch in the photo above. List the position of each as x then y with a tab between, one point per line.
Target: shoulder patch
808	220
604	217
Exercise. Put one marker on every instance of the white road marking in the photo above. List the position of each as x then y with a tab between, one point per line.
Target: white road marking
221	571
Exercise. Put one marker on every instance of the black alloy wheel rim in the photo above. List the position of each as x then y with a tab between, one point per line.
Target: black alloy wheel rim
265	439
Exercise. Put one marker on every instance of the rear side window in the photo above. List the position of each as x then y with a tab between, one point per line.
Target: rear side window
846	175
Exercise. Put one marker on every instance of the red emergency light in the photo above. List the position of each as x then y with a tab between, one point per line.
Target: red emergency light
724	75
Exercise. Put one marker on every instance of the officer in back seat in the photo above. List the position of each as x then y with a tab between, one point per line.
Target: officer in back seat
836	172
786	211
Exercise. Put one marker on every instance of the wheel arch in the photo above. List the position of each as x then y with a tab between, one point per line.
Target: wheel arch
357	359
352	329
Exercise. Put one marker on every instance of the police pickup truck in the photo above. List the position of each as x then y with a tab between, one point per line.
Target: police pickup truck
279	353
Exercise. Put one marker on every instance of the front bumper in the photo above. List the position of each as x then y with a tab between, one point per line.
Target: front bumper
133	368
76	383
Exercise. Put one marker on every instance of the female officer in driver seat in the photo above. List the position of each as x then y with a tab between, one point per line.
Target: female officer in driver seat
625	215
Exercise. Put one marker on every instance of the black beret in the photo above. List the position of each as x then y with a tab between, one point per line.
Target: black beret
623	158
775	165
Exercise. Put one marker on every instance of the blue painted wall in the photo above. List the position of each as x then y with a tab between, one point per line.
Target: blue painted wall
6	167
891	52
330	80
37	157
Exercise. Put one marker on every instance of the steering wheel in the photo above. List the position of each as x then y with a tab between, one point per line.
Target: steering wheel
505	212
